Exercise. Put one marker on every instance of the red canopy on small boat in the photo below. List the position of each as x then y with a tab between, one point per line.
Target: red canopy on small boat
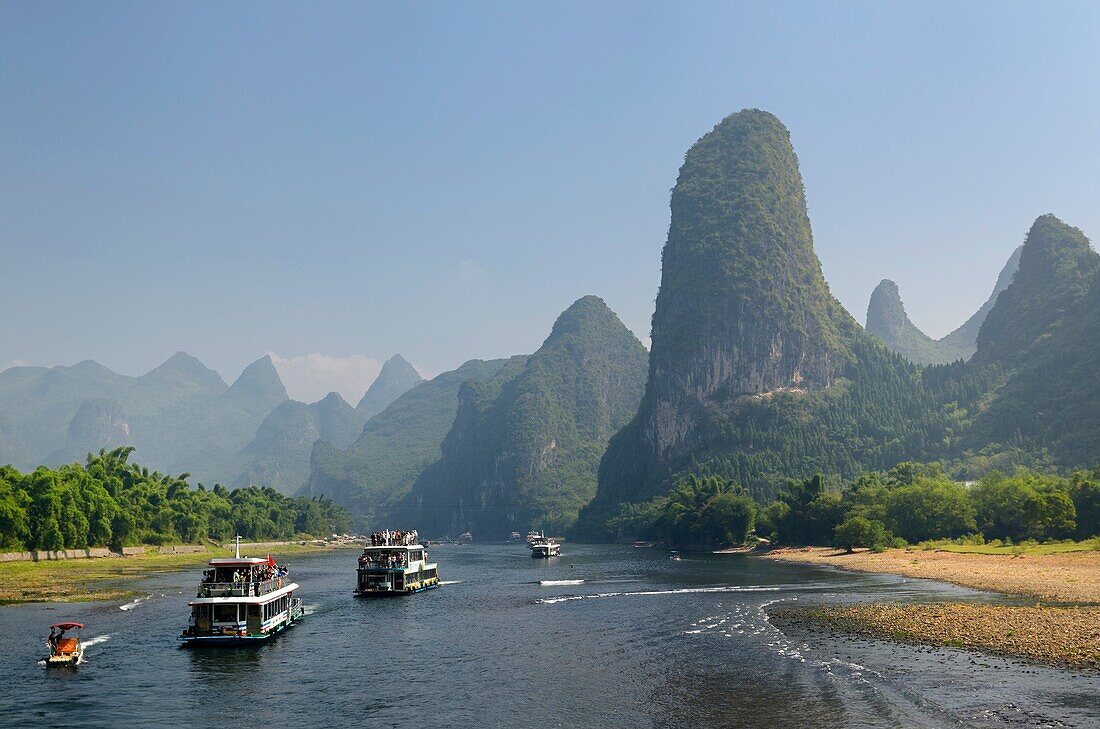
67	626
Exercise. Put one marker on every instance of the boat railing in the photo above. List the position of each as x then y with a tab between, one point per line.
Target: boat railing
240	589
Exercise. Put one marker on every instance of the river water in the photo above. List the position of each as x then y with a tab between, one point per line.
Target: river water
511	641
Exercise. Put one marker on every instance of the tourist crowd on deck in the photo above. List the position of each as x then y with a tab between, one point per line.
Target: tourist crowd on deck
248	580
394	538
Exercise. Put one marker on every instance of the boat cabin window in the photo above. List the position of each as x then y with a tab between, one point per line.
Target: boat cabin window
225	613
253	611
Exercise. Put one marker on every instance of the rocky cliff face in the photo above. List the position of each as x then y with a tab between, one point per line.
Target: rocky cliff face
396	378
525	445
98	423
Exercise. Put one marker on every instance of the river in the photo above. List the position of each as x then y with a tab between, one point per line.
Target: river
602	636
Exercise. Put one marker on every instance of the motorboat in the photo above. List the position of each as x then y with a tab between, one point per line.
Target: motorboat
66	651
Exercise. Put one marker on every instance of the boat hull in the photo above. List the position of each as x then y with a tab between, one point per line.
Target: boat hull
228	641
393	593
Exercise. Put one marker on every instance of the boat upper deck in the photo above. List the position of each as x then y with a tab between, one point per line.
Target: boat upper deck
243	577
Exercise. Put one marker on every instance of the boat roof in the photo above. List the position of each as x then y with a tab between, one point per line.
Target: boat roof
244	561
392	546
67	626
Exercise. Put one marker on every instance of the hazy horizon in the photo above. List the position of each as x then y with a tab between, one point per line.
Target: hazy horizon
335	184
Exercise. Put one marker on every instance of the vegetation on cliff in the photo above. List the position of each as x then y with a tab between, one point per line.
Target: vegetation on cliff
525	445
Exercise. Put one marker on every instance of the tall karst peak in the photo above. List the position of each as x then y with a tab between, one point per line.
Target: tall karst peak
1057	268
743	307
887	320
396	378
259	385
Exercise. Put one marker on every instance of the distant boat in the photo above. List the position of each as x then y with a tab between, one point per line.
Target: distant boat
675	556
65	651
515	537
640	545
465	538
545	547
532	537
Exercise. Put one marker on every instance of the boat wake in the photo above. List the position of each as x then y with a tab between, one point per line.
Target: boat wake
642	593
547	583
131	605
96	640
309	609
450	582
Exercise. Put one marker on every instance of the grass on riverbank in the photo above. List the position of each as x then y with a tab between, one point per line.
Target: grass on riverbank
1012	550
107	578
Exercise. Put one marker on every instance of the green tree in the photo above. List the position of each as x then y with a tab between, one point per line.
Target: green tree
858	531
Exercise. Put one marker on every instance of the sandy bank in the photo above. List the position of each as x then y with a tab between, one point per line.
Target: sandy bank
1073	577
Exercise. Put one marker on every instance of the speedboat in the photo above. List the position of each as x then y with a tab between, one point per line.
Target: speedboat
675	556
395	563
65	651
545	547
242	600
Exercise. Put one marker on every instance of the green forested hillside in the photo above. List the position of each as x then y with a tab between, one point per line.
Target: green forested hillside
111	502
395	446
525	445
756	379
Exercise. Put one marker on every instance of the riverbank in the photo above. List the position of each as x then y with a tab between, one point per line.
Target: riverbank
114	578
1067	634
1070	577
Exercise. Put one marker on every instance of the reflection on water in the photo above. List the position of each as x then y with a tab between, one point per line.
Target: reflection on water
604	636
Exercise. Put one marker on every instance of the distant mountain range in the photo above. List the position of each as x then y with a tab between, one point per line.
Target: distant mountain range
181	417
887	320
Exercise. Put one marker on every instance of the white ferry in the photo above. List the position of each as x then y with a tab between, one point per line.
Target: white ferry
395	563
545	547
242	600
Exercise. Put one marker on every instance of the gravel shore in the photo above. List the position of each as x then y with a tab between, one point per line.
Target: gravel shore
1068	634
1062	636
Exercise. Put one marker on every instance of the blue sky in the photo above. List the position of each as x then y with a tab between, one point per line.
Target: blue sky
334	183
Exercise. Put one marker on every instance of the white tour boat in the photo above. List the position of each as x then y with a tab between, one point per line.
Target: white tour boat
395	563
242	600
545	547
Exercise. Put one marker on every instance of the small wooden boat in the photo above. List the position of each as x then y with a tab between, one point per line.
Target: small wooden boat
65	651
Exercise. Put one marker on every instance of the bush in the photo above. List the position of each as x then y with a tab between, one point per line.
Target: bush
858	531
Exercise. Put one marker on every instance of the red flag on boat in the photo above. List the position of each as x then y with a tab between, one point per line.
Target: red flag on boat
270	561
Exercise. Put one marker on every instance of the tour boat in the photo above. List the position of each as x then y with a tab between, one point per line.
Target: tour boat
65	651
242	600
395	563
532	537
515	537
545	547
